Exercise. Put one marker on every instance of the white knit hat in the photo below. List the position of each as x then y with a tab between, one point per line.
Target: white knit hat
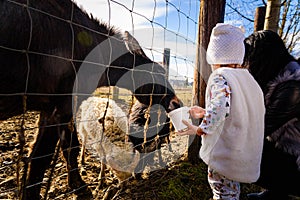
226	45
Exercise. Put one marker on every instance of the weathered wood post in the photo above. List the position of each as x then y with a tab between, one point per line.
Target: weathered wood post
259	20
211	13
115	93
166	61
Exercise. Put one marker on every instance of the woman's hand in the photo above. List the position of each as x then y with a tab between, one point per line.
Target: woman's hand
197	112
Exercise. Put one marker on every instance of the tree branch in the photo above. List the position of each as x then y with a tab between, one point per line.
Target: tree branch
283	3
251	20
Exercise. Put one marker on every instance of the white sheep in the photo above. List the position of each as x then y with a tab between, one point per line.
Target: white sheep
98	120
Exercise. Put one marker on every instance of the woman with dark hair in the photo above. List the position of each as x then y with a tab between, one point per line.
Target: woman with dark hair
278	74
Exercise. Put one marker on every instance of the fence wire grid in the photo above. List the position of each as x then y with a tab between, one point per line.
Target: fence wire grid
169	27
165	30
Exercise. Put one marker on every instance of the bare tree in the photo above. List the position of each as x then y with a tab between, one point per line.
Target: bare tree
289	26
282	16
272	15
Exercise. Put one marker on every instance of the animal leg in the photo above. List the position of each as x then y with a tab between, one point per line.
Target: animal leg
160	159
100	178
101	174
81	159
82	152
41	157
70	147
168	142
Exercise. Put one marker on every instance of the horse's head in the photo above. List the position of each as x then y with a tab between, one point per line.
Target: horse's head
130	68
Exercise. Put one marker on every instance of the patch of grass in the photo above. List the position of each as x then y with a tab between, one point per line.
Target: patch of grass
188	182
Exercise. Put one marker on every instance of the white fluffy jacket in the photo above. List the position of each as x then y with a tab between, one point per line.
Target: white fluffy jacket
235	149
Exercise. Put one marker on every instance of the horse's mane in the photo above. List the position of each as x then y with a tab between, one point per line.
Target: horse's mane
104	27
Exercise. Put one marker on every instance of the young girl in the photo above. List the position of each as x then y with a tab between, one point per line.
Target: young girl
233	119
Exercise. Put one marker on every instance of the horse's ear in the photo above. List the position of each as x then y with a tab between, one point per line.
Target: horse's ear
133	45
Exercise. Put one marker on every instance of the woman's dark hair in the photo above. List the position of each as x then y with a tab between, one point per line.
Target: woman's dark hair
265	56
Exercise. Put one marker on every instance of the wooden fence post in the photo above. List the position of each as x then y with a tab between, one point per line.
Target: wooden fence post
259	20
166	61
211	12
115	93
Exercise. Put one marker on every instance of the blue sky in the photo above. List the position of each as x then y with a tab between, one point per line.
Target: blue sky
158	24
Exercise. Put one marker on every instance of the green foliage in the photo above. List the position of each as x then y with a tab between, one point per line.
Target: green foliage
188	182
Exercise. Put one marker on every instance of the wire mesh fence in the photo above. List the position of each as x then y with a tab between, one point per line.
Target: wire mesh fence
55	54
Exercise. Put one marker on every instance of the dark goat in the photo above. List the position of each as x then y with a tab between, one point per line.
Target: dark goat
155	122
53	55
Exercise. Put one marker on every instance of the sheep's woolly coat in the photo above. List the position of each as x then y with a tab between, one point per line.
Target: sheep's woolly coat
287	137
99	121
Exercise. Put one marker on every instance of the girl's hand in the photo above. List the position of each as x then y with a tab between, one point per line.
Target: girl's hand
197	112
190	130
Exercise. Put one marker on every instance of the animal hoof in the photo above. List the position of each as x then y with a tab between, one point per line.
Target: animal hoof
77	184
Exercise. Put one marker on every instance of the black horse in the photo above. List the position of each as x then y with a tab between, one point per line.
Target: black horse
53	55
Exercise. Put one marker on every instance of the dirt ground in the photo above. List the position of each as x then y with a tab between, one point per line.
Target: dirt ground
174	179
10	164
